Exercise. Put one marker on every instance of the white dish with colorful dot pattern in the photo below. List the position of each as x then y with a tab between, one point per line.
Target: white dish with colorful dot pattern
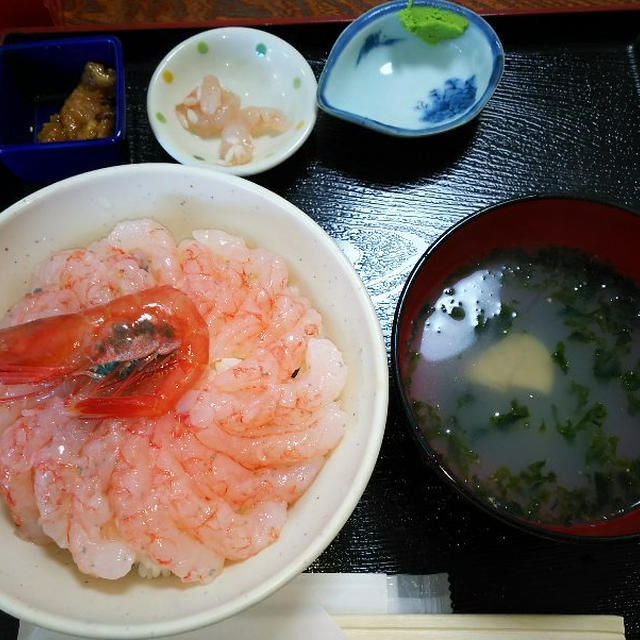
260	68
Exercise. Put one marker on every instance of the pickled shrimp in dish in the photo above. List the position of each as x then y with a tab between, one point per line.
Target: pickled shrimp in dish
163	404
211	111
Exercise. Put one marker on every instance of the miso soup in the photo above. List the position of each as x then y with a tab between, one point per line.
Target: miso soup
524	375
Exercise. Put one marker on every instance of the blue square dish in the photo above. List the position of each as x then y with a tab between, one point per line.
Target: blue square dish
35	79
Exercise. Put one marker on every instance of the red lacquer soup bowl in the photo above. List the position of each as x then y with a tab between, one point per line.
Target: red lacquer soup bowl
531	493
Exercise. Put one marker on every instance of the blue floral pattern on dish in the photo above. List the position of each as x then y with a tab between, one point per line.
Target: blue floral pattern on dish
373	41
455	98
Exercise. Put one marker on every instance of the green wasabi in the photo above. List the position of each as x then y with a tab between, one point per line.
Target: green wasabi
432	25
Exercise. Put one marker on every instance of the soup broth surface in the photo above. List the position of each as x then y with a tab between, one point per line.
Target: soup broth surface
524	375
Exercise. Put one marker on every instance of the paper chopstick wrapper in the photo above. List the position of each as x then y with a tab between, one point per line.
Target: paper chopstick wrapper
338	606
303	608
375	593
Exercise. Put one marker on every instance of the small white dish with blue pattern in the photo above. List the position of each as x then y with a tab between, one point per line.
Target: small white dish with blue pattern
381	76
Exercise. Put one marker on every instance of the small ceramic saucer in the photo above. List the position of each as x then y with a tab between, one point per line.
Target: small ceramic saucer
381	76
262	69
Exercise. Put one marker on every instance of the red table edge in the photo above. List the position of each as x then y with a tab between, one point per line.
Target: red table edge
301	20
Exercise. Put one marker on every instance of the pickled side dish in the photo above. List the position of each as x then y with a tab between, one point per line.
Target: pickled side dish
89	112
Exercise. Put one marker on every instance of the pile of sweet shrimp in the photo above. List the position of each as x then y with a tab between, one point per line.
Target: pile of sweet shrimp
162	404
211	110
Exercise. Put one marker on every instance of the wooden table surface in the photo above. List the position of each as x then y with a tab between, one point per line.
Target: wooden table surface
126	12
565	118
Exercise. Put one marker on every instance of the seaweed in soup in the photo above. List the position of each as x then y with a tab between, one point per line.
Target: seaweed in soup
525	379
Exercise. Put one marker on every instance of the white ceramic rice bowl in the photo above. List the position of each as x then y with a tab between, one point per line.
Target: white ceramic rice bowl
40	584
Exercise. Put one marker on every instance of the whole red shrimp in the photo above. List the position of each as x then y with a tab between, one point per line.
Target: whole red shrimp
134	356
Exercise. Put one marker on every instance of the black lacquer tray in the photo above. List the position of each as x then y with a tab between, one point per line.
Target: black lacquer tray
565	118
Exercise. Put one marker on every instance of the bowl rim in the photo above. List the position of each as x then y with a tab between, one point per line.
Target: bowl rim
363	21
254	166
119	126
349	498
432	458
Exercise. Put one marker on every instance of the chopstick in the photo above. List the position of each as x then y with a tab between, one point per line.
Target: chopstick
482	627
